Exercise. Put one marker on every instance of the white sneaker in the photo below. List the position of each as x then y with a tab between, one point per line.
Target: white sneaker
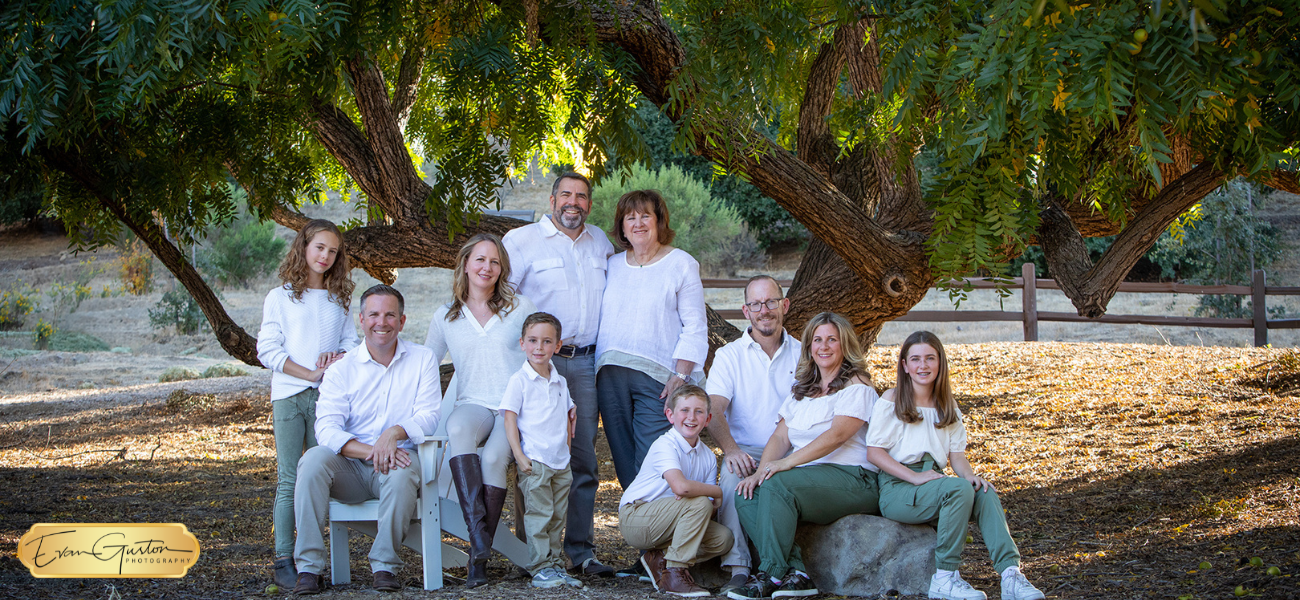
953	587
1016	587
569	580
548	578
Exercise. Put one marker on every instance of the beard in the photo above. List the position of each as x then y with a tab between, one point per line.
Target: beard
766	327
569	221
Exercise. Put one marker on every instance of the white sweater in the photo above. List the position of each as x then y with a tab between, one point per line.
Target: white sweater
654	312
485	356
300	330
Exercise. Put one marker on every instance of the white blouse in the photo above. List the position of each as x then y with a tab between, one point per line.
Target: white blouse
485	355
654	313
908	443
808	418
300	330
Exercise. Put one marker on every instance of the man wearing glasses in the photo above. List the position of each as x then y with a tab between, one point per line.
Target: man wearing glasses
749	380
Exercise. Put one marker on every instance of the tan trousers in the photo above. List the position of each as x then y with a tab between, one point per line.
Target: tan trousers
682	528
322	474
546	502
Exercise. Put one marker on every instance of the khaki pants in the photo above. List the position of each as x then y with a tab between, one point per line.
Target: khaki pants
682	527
322	474
546	502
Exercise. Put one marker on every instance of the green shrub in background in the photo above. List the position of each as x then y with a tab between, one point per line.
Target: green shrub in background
177	374
177	309
223	370
241	253
709	230
76	341
15	305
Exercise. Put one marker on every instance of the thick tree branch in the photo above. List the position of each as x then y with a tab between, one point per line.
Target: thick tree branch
814	142
408	82
233	339
1090	287
1286	181
399	182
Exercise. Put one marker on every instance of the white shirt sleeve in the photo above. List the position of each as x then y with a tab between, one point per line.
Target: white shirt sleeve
348	332
513	399
436	340
427	404
518	268
331	412
721	379
886	429
855	401
693	342
957	435
270	338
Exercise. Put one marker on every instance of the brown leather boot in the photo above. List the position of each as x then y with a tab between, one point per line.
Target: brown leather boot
467	474
494	499
308	584
678	581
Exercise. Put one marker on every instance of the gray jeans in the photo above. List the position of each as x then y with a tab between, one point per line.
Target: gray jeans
738	556
295	432
322	475
579	534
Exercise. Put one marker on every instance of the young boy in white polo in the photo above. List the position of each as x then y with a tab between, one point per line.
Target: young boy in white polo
539	418
668	509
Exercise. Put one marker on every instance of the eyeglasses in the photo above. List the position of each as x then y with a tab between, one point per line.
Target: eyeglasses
769	304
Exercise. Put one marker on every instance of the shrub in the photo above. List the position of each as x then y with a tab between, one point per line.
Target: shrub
709	230
76	341
223	370
177	309
243	252
42	333
177	374
182	400
137	268
15	305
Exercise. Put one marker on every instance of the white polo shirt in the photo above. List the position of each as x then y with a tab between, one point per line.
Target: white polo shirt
808	418
562	276
671	451
543	408
908	443
755	384
360	398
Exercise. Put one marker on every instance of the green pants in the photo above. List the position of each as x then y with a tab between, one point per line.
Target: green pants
295	432
818	494
949	504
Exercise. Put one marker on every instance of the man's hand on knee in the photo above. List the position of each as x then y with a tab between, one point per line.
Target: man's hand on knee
386	455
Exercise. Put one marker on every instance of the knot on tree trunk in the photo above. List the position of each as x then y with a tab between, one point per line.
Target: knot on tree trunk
894	283
384	275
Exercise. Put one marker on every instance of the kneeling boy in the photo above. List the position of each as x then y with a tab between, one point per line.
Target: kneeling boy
668	509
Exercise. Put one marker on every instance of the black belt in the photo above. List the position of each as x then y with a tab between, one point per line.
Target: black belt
572	351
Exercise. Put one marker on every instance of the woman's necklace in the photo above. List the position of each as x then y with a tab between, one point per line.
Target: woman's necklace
640	264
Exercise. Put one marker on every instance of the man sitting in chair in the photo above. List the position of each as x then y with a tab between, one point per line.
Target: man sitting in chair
376	404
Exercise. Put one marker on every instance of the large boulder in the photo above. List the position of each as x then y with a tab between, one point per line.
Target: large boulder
858	555
862	555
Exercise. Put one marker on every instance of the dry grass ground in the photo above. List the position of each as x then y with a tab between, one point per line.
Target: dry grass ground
1123	467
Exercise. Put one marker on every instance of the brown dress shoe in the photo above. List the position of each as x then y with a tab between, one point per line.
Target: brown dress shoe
654	563
308	584
678	581
386	582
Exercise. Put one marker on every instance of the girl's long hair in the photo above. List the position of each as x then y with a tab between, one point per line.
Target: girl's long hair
503	294
808	378
905	396
294	269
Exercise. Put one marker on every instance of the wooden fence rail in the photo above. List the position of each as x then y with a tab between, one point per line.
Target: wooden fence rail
1029	315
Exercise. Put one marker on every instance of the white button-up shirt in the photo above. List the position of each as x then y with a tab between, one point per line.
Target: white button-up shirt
755	384
671	451
562	276
543	408
360	398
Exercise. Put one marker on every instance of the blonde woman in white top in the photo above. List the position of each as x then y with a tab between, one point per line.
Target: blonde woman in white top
917	430
480	328
814	467
653	335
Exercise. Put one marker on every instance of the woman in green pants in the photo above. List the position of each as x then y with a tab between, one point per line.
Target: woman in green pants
825	475
917	430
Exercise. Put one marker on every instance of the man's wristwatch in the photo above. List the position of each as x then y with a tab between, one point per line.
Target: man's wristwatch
686	377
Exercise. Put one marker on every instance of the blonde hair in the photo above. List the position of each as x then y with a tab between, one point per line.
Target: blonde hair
689	391
905	396
808	378
503	294
294	269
